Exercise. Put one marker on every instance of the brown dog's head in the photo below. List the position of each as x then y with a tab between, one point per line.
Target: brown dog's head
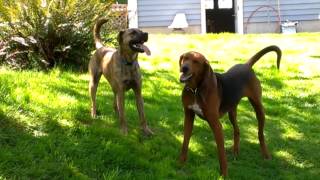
193	67
132	40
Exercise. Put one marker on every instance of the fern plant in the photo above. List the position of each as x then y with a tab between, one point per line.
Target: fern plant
42	33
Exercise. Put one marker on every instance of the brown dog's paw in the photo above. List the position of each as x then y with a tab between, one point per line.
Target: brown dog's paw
267	156
182	159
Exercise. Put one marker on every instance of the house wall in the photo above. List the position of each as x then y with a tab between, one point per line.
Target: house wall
156	16
306	12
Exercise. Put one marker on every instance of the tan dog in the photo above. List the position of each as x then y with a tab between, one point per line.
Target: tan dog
210	95
121	69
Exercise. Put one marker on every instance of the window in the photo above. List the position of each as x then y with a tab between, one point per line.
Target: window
225	4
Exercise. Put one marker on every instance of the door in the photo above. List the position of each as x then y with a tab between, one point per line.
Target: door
221	17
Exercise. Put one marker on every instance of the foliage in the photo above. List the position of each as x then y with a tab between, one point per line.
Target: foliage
46	131
42	33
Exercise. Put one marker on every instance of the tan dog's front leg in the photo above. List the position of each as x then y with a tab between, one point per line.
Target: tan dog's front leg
218	134
139	102
120	105
188	126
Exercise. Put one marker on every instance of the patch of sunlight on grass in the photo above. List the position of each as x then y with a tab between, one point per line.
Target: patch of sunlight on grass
309	70
292	160
290	131
84	77
65	123
197	146
179	137
66	100
251	132
146	65
38	133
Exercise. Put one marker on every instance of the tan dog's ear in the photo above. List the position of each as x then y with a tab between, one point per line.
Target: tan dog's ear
119	38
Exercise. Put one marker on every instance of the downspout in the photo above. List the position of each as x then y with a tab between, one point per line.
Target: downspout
279	11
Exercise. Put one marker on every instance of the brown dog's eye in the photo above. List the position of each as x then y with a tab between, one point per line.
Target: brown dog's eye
195	62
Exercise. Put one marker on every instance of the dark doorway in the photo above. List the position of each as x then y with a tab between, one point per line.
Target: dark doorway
221	18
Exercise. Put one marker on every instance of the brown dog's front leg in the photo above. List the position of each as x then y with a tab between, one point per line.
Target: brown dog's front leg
120	105
139	102
188	126
218	134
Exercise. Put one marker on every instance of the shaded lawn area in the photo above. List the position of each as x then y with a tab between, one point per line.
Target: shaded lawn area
46	130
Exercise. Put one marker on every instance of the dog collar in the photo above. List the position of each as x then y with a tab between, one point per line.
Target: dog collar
127	63
194	91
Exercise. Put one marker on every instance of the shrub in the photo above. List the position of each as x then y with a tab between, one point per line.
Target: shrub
42	33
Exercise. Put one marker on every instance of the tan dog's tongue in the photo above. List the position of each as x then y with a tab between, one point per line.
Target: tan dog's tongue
146	49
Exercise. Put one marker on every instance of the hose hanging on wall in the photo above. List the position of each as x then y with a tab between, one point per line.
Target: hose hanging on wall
261	7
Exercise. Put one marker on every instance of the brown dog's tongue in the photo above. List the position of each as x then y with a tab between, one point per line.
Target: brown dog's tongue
146	49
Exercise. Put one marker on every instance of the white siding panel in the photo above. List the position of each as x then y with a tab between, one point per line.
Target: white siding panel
293	10
161	13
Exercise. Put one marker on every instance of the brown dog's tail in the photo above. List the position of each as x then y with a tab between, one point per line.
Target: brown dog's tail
264	51
96	32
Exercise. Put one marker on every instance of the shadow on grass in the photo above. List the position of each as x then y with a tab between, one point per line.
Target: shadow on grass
316	57
98	150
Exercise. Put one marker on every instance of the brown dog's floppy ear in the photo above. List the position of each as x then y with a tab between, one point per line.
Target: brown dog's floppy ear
207	71
119	38
180	60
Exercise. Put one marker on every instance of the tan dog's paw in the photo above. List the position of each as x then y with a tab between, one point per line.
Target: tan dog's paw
93	113
124	130
147	131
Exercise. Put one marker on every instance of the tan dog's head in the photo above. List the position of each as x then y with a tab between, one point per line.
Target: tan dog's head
193	67
132	40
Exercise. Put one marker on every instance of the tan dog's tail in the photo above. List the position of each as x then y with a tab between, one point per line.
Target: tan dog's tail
264	51
96	32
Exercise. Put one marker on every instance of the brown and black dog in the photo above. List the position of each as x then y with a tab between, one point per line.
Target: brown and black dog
210	95
121	69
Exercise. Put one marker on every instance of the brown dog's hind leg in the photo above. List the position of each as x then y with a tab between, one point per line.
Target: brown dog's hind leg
258	107
236	132
93	85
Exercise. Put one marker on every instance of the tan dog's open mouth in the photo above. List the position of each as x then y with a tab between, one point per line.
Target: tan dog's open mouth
140	47
143	47
185	77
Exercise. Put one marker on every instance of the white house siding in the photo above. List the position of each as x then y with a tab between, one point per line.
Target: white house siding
156	16
306	12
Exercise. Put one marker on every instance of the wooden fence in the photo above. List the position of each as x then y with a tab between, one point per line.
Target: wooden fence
120	13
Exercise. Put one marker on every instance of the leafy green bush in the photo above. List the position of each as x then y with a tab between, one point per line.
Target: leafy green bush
42	33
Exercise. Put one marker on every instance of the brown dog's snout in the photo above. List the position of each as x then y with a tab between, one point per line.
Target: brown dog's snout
145	37
184	68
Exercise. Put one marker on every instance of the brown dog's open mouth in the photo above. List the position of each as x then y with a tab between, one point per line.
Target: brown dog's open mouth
140	47
185	77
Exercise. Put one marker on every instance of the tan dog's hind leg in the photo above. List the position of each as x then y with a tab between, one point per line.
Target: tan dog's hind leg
93	85
115	105
236	132
139	103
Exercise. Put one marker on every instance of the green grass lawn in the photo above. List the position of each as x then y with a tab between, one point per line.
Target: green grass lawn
46	131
